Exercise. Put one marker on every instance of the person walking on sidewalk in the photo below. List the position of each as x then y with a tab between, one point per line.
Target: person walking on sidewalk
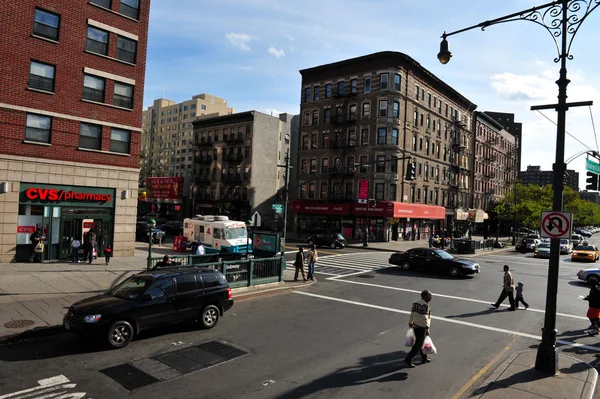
313	257
90	246
299	264
108	254
508	289
593	313
519	297
75	245
36	238
420	321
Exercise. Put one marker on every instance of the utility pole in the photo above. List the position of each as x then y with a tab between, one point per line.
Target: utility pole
286	196
367	228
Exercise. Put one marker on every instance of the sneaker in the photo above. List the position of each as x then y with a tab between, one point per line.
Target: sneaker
426	360
495	306
512	309
409	363
526	306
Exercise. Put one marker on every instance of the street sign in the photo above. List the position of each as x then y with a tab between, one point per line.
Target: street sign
592	166
557	224
256	220
278	208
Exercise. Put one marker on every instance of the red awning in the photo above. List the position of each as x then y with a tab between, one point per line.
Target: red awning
393	209
320	208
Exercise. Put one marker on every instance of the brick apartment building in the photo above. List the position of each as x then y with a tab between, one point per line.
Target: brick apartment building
236	164
358	118
72	78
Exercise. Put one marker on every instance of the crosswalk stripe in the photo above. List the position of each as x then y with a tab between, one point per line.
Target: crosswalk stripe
350	263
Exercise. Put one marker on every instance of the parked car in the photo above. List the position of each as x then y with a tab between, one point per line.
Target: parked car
587	253
583	232
542	250
591	276
527	244
151	299
141	233
433	260
576	239
332	240
173	227
565	246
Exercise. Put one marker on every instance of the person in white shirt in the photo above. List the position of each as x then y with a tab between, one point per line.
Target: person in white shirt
420	320
200	249
75	250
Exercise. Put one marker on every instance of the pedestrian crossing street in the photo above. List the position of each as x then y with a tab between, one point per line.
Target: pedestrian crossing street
350	263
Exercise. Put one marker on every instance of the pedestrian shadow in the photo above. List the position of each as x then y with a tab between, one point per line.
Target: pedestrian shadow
473	314
579	283
574	333
523	377
370	369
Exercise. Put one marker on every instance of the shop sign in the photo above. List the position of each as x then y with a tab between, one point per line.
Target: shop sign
164	189
319	208
47	194
25	229
363	189
88	225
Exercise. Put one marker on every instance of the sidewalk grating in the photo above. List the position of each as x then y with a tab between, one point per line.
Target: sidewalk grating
128	376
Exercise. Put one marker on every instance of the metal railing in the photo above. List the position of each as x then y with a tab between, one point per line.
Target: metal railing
463	246
238	272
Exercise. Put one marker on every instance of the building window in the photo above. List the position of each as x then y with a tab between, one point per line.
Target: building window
394	136
38	128
93	88
366	110
351	138
328	90
417	92
382	135
315	117
41	76
97	40
90	136
102	3
354	86
379	191
352	112
340	88
380	167
414	143
131	8
126	49
325	140
123	96
349	189
427	147
397	82
367	84
383	108
396	110
304	166
383	81
307	95
313	141
324	165
311	190
316	93
394	164
119	140
429	100
364	137
306	120
46	24
392	192
323	190
313	166
327	115
363	160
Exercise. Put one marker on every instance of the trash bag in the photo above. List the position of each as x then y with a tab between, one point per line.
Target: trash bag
428	347
410	337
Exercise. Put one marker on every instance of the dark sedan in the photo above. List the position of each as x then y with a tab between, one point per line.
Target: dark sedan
433	260
331	240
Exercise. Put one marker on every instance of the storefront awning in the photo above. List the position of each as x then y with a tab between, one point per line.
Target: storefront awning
393	209
320	208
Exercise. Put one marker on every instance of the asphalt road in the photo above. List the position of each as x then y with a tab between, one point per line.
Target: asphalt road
339	338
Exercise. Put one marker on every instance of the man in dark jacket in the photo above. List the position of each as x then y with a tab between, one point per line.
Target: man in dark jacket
299	264
90	244
508	290
35	239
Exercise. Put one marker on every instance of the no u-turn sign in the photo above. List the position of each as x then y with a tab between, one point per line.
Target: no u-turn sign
556	224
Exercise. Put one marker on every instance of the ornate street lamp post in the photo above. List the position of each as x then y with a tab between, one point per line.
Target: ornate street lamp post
562	20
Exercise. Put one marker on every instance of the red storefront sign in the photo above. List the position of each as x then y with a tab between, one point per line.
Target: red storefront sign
164	189
51	194
88	225
363	189
316	208
25	229
392	209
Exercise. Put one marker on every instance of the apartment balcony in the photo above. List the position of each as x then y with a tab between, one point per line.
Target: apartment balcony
203	142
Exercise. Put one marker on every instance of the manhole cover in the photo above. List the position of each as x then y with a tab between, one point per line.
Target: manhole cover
19	323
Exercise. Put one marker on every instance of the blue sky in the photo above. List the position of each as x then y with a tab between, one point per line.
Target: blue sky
250	51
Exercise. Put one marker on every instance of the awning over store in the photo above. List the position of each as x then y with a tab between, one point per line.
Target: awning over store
388	209
318	208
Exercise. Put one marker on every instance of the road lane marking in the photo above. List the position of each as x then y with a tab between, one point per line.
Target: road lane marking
534	263
47	389
453	321
485	368
357	273
446	296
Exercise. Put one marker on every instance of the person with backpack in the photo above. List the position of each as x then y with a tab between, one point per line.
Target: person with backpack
312	259
75	245
90	246
299	264
37	242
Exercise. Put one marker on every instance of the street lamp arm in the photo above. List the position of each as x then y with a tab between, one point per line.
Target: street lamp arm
577	155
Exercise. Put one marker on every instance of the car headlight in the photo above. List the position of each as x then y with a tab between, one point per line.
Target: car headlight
93	318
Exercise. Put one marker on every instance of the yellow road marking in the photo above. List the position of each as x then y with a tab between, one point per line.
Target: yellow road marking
485	368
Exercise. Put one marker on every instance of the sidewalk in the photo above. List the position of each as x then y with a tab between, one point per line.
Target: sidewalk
516	378
35	296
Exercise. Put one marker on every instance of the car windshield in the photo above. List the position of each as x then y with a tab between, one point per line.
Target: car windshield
339	236
544	245
564	241
130	289
584	248
444	254
231	233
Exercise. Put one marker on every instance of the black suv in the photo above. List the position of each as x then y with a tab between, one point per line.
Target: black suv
151	299
332	240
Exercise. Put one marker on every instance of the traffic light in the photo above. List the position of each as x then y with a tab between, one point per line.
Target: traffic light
592	181
411	170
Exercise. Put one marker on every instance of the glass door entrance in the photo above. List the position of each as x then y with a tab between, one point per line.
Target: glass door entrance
74	223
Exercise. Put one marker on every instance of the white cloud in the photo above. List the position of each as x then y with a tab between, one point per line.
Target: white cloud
247	68
239	40
515	87
277	53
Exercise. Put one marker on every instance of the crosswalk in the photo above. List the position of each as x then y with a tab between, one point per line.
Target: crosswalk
350	263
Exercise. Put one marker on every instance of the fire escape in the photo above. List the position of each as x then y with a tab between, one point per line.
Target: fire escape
343	142
459	171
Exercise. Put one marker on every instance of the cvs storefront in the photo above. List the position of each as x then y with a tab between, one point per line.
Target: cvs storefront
63	213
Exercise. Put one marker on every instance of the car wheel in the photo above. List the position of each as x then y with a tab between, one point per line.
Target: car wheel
120	334
405	265
454	272
333	246
210	316
592	279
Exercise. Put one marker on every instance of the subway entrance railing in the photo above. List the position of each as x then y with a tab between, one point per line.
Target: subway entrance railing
238	272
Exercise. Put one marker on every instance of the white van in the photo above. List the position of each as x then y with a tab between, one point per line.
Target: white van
218	233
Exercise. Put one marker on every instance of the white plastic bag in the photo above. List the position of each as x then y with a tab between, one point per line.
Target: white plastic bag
410	337
428	346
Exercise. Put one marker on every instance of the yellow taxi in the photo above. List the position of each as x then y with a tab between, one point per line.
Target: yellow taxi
589	253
